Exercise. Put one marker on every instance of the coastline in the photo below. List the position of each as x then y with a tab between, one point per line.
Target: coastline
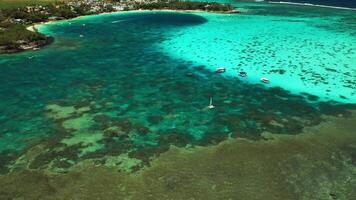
33	28
34	46
49	40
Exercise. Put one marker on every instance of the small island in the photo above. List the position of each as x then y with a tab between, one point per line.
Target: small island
15	36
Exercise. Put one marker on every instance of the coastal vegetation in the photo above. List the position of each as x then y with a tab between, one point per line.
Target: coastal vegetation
16	15
6	4
183	5
14	36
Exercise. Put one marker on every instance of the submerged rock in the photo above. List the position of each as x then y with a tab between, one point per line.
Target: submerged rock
58	112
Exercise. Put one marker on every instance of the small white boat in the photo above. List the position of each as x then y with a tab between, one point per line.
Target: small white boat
81	35
265	80
220	70
211	106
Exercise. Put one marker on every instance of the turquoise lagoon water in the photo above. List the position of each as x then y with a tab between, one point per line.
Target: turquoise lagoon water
134	83
298	53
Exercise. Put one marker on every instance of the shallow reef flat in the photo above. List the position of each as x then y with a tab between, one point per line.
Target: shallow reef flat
317	164
300	53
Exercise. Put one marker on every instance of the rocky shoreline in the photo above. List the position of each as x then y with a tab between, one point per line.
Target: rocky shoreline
25	46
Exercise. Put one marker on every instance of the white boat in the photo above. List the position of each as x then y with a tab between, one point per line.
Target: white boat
211	106
265	80
220	70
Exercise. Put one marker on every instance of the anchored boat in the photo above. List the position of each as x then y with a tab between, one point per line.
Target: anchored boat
265	80
243	74
220	70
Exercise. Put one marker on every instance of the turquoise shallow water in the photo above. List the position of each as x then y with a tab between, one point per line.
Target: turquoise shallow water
138	82
300	54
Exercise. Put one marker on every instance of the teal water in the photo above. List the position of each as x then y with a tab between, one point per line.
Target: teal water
138	82
300	53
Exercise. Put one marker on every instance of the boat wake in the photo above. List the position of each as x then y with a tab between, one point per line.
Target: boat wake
117	21
310	4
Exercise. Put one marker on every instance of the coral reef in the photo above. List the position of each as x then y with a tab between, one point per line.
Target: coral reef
317	164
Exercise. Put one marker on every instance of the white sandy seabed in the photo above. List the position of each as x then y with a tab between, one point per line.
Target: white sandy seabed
293	53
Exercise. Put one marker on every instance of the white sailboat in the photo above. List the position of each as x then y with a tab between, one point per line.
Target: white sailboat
211	106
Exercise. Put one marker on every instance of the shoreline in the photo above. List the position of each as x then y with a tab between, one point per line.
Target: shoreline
34	46
50	39
33	28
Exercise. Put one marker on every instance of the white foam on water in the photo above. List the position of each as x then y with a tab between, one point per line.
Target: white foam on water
310	4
